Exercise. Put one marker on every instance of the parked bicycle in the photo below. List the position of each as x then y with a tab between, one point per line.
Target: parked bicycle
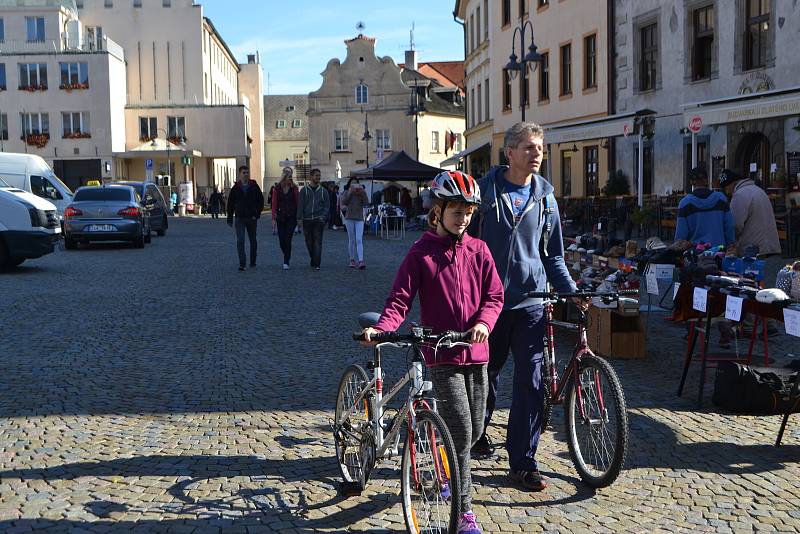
363	434
596	419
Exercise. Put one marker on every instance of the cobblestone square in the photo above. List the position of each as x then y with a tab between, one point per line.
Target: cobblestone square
161	390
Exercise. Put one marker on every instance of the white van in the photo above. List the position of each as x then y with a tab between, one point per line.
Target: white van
29	226
31	173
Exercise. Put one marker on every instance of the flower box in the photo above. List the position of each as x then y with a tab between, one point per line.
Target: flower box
147	139
73	86
33	88
176	140
37	140
77	135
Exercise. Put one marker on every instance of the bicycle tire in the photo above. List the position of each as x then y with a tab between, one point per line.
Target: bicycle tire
547	405
348	449
598	467
413	489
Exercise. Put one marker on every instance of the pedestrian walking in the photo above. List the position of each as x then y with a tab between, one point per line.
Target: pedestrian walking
269	199
459	290
284	213
215	203
753	215
245	202
312	213
173	201
520	224
353	201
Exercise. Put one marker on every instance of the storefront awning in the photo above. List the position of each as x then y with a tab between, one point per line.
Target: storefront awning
764	105
603	127
455	158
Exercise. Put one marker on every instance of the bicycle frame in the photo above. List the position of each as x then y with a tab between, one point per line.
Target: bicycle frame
558	385
387	441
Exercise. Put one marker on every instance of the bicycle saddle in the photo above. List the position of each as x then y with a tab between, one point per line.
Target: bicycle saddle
368	319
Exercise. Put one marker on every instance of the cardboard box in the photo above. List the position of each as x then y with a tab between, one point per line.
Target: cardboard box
614	335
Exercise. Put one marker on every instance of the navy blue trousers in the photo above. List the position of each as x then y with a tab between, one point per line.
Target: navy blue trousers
522	332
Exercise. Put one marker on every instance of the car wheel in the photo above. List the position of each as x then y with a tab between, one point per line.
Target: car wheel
70	243
163	230
5	260
148	238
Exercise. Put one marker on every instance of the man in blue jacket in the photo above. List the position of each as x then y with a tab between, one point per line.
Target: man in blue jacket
519	222
704	216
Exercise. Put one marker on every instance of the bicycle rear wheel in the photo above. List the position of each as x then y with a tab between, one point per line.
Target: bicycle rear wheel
347	436
597	422
429	480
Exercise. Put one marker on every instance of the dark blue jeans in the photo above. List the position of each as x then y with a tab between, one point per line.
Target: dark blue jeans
522	332
312	230
250	226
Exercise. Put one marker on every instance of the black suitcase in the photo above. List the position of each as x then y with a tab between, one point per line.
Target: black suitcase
745	388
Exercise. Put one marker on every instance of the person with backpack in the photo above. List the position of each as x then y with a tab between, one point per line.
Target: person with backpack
245	202
520	224
459	290
284	213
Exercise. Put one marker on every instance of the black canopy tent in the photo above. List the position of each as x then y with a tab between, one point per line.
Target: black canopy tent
399	167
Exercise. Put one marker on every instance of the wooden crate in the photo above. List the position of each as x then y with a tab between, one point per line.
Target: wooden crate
614	335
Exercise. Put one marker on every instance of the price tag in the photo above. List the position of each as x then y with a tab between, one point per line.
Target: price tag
652	283
733	308
664	271
700	299
791	320
675	289
754	167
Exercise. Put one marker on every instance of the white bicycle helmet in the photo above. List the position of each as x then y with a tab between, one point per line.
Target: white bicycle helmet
456	186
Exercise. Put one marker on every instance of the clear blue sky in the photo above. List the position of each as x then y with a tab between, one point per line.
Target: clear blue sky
297	38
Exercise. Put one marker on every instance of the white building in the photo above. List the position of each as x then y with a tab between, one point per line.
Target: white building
97	87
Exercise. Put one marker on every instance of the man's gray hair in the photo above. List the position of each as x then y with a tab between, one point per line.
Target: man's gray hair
519	131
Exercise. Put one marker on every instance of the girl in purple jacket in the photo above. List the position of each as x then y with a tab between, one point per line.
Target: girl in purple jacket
459	290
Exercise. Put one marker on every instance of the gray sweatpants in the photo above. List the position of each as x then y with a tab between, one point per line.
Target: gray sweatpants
461	391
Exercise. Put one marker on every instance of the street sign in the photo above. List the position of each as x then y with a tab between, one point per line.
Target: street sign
148	165
186	160
148	174
696	124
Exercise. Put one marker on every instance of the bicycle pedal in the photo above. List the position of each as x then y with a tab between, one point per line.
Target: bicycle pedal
350	489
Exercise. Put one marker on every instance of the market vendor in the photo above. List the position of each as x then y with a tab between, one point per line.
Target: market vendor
704	216
752	215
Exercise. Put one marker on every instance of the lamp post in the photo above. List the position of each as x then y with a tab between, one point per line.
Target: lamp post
532	57
415	107
366	137
306	162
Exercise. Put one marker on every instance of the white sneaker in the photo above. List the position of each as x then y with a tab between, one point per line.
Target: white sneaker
285	266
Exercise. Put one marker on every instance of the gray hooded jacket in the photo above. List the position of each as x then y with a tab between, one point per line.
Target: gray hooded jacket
525	262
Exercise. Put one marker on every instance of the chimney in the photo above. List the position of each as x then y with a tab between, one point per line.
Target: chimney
251	58
411	59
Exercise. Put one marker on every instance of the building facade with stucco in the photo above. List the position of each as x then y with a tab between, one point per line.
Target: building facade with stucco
400	108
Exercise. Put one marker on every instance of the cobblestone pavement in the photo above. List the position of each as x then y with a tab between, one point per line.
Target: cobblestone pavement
163	391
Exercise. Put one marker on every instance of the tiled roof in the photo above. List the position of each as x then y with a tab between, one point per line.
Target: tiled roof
436	104
447	73
287	108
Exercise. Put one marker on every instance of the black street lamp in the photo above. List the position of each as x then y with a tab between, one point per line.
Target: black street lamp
532	57
415	107
366	137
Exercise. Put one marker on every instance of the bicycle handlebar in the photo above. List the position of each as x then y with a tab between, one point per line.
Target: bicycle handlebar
554	295
396	337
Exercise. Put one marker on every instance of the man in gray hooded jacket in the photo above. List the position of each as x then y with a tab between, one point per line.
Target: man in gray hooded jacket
519	222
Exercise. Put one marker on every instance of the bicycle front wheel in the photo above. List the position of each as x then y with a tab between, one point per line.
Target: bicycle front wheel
597	422
349	431
429	480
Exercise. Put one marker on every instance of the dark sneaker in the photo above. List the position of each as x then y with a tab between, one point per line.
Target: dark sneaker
531	480
482	448
242	268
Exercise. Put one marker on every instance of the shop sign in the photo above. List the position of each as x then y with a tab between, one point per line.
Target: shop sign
763	108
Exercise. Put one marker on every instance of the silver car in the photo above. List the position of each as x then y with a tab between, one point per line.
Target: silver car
106	213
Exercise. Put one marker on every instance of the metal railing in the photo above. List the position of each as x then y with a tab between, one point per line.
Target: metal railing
60	46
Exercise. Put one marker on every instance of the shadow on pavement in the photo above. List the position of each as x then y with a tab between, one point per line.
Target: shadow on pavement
255	507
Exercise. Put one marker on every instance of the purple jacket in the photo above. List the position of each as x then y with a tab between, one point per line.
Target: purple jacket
458	288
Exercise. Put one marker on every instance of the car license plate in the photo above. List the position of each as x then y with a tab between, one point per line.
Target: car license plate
101	228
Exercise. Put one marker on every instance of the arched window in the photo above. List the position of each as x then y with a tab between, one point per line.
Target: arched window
362	94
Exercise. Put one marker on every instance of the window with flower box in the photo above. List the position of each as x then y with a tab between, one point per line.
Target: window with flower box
33	76
74	75
148	128
35	129
76	125
176	129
